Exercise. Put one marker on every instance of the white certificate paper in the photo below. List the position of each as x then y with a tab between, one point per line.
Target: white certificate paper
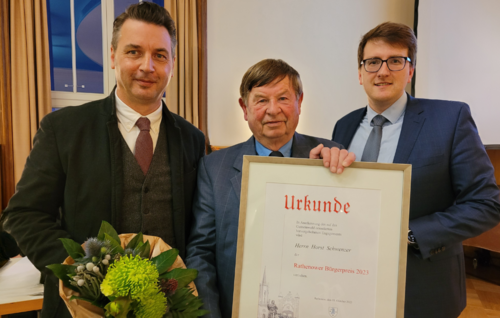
316	244
320	243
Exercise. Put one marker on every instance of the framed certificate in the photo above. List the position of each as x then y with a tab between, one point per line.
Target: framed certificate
316	244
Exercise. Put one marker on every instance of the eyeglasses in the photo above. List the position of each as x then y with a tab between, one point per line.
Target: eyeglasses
396	63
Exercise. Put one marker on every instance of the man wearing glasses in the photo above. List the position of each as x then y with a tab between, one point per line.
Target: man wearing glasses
453	191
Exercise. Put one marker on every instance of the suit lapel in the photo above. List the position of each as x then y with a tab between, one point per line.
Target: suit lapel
300	149
412	125
345	133
176	161
248	148
115	152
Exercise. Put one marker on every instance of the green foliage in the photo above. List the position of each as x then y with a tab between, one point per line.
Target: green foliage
165	260
138	239
106	228
74	249
143	250
182	275
183	304
119	307
116	246
63	272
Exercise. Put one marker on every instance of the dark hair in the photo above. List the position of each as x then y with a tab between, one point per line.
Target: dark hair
392	33
268	71
147	12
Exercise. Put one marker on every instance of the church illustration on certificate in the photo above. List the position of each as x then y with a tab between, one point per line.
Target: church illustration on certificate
283	307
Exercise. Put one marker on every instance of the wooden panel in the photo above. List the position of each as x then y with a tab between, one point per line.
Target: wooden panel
6	141
201	9
489	240
1	205
23	306
215	148
494	155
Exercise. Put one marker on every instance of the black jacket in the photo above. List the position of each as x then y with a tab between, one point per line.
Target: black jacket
73	180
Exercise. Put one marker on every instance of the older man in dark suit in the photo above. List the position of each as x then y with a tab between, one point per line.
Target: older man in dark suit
124	159
271	98
453	191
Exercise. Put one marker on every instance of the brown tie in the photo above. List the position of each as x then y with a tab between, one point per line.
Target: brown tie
144	145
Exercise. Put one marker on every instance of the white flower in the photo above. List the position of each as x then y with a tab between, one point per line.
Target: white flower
81	282
108	257
105	262
90	266
96	269
80	268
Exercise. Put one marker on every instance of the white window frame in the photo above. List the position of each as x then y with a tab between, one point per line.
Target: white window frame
63	99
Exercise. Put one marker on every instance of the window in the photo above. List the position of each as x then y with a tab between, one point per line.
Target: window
80	37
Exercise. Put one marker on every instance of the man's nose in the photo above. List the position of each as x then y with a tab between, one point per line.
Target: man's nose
147	64
384	69
274	107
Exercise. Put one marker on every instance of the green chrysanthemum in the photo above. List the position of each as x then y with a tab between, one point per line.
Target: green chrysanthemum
130	276
153	304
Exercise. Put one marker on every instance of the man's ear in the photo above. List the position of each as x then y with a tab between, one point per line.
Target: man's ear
360	77
173	69
412	71
112	58
244	107
301	97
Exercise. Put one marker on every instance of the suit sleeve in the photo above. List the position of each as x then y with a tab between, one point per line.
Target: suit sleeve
32	214
201	247
476	208
334	133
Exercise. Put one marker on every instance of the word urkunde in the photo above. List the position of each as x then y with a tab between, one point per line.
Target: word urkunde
313	205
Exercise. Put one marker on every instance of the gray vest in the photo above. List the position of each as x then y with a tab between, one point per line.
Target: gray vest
147	200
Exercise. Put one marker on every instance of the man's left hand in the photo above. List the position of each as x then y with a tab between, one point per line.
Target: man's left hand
334	158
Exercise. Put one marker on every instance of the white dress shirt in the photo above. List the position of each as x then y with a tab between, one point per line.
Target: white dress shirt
127	117
390	131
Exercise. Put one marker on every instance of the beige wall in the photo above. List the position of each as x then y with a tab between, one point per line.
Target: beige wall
318	38
459	41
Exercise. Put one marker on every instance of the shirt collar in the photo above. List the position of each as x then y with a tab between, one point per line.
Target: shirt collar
392	113
286	150
128	117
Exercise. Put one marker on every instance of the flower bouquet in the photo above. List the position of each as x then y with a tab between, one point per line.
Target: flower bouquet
122	276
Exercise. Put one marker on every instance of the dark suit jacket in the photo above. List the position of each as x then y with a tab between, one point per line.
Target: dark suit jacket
73	180
453	197
212	245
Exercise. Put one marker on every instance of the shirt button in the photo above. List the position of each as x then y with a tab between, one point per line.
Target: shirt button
146	211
